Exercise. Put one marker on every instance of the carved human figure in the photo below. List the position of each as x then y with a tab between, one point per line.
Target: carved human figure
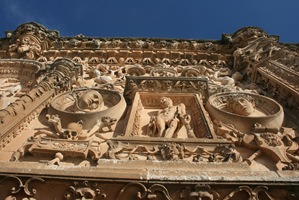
170	119
89	100
240	106
57	159
26	47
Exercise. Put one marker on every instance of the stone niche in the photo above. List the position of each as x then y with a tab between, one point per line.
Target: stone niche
167	107
147	105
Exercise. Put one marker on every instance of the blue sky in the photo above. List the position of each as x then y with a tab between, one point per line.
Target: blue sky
185	19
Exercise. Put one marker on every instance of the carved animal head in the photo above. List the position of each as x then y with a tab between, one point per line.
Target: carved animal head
85	193
53	119
108	121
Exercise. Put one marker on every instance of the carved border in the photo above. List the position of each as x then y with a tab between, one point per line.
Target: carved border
157	84
32	188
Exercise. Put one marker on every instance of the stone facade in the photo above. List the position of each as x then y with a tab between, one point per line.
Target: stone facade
142	118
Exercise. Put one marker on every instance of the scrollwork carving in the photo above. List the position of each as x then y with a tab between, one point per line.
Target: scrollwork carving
22	187
171	151
253	193
143	192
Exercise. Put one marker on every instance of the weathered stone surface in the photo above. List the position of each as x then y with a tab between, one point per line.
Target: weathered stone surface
132	118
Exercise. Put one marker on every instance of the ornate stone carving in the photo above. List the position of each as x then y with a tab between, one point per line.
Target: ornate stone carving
89	106
27	46
172	151
21	187
84	190
162	150
247	34
74	130
235	107
199	192
158	84
89	101
59	148
142	192
253	193
169	120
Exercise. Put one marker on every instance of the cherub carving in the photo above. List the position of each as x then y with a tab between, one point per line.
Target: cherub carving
57	159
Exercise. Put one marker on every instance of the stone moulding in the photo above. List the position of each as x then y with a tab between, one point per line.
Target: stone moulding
165	84
280	74
22	69
37	187
178	149
28	105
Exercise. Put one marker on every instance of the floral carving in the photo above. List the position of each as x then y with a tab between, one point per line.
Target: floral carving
172	151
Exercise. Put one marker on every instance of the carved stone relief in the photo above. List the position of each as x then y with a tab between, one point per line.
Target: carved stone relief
160	113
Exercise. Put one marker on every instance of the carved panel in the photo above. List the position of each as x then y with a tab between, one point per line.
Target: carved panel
31	188
161	84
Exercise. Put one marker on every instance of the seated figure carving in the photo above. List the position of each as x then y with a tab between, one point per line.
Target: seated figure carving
169	120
